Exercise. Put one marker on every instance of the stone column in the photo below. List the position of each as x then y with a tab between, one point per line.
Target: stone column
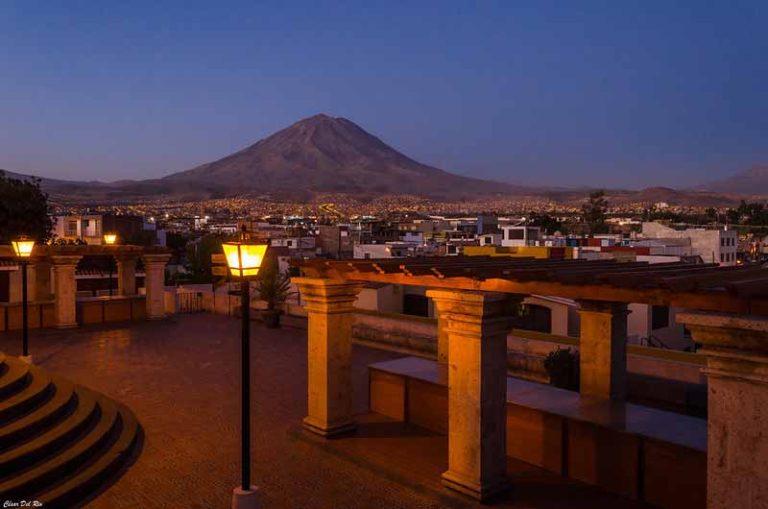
126	275
14	285
329	304
65	290
154	284
477	390
42	290
603	349
737	370
442	306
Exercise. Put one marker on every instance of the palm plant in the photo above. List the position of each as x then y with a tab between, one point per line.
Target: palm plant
273	287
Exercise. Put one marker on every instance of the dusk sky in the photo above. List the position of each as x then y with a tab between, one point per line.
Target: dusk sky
556	93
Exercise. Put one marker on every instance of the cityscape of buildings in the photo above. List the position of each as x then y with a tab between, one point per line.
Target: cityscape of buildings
219	291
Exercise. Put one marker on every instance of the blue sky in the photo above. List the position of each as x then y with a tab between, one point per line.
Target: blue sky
613	93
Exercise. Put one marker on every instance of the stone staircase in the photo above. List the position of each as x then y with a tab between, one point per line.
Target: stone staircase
59	442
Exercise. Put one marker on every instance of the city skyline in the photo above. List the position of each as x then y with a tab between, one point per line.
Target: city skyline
630	96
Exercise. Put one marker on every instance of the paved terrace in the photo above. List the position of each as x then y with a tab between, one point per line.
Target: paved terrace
181	379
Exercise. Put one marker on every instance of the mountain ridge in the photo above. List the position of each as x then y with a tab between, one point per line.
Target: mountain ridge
753	181
325	154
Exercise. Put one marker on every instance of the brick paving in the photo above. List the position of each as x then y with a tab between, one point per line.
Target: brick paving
181	378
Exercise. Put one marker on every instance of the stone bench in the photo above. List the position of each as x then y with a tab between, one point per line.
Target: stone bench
637	451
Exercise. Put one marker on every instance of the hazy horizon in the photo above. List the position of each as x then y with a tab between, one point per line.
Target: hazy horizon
615	96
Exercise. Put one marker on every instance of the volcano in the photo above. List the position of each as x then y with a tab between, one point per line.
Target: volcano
327	154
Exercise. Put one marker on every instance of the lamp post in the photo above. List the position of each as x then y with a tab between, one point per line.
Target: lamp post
244	259
110	239
23	248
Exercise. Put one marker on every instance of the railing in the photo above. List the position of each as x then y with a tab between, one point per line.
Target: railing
653	342
189	301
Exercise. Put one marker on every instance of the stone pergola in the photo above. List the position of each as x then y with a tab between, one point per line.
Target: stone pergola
476	298
52	276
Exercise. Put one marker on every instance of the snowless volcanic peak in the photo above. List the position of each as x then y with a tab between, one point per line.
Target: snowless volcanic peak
329	154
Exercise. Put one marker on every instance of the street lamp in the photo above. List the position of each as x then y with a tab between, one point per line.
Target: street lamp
244	260
23	248
110	239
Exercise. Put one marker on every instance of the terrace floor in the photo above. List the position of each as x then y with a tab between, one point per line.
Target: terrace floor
181	378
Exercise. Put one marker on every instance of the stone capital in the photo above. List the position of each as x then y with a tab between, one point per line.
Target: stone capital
156	259
736	346
471	313
328	295
467	302
126	258
65	260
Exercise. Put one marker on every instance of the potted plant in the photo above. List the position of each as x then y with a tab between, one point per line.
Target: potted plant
273	287
562	365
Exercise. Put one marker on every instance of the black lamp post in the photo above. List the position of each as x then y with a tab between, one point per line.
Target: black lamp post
110	239
244	259
23	250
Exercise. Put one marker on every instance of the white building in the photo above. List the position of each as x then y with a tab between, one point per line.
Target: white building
518	236
387	250
713	246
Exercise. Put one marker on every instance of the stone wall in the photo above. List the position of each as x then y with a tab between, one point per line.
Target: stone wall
409	334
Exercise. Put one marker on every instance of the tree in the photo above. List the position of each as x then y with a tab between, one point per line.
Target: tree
549	224
23	210
594	212
199	257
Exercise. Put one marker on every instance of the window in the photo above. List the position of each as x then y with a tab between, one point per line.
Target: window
722	257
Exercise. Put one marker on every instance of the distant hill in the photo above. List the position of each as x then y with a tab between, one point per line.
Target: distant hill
326	154
323	154
754	181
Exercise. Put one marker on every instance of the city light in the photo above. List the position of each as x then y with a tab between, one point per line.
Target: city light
110	238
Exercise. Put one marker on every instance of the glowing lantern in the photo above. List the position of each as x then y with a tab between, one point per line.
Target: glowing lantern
244	258
23	247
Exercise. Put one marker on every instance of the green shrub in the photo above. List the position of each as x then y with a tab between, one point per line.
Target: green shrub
562	365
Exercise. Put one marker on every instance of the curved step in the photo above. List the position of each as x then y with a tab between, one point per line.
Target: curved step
70	458
56	408
38	390
14	379
55	438
75	488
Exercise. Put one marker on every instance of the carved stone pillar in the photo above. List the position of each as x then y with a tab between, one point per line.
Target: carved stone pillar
126	274
14	285
443	304
329	304
603	349
154	283
65	290
737	419
42	288
477	390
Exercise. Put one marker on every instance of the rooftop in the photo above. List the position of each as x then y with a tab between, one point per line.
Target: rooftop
180	377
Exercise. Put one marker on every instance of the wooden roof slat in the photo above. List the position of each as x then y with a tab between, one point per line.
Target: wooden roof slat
708	278
741	289
749	288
